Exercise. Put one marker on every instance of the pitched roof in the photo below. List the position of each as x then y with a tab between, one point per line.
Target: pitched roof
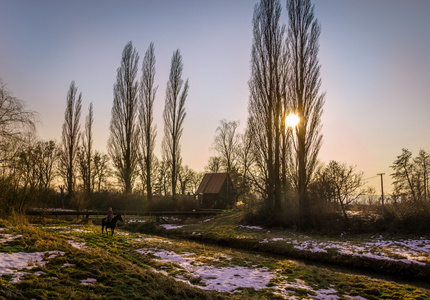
212	183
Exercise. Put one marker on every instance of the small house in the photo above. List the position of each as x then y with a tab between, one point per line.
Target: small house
216	191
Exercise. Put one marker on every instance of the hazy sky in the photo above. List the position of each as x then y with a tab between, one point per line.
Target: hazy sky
375	58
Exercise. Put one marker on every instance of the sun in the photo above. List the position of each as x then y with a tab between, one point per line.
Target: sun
292	120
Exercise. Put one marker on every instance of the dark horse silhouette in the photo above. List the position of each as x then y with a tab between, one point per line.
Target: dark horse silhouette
111	224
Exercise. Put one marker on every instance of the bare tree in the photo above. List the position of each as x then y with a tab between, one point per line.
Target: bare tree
214	164
100	170
146	118
48	154
15	119
196	180
70	138
14	116
410	177
227	144
303	94
87	145
422	165
162	181
123	144
341	184
245	161
185	177
267	87
174	115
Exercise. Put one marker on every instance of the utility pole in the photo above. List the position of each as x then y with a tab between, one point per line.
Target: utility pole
382	189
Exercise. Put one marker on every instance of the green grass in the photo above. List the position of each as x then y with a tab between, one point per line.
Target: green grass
224	230
123	273
117	276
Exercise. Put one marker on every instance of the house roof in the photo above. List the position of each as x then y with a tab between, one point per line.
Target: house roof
212	183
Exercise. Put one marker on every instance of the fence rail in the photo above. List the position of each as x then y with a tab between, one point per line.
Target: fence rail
88	213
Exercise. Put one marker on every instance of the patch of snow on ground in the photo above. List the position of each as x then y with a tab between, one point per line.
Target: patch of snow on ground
68	265
9	237
406	251
135	221
224	279
82	230
299	284
78	245
170	226
10	263
88	281
355	297
233	278
157	240
250	227
278	239
311	246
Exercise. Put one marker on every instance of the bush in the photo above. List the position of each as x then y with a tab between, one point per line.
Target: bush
177	203
406	217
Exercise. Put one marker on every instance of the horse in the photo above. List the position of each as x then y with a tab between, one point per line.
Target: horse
111	224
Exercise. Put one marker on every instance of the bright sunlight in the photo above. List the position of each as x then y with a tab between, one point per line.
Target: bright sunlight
292	120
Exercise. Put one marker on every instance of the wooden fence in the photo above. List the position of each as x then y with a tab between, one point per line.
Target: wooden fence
88	213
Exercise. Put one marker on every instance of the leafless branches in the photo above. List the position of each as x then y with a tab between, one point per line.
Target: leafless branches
227	144
174	115
146	118
267	86
87	150
123	144
15	120
303	93
70	138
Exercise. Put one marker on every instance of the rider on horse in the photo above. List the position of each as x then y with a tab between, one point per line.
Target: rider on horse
109	215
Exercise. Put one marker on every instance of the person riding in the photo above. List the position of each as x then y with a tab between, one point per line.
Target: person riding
110	215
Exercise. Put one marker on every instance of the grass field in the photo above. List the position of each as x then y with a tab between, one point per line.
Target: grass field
68	261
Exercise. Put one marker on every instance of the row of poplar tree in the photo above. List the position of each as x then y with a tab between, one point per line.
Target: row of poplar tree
132	129
285	78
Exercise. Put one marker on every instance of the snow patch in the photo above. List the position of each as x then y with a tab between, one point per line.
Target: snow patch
10	263
170	226
88	281
9	237
224	279
78	245
250	227
135	221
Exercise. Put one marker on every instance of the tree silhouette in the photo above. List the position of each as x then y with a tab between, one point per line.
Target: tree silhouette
267	87
146	118
303	94
87	148
123	144
227	144
174	115
70	138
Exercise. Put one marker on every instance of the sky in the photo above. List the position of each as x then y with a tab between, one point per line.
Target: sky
374	56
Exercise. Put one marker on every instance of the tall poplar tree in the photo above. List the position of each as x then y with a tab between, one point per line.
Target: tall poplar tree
304	96
174	115
87	146
146	118
70	138
123	144
267	96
